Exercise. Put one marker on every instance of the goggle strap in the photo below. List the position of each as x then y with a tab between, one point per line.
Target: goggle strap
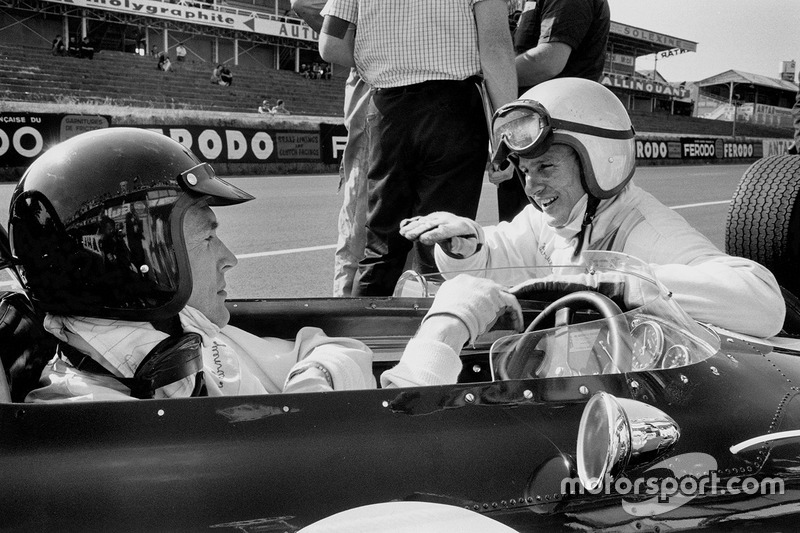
595	131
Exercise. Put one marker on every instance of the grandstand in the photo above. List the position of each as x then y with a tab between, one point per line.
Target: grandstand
32	74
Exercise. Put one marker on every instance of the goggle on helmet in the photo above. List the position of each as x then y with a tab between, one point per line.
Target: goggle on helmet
579	113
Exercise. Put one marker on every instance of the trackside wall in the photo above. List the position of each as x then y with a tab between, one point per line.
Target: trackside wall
308	145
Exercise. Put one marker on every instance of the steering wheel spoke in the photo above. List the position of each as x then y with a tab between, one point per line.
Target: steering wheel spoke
561	312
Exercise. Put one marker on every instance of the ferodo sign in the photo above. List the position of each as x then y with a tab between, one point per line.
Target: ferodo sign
245	145
651	149
741	150
211	144
698	148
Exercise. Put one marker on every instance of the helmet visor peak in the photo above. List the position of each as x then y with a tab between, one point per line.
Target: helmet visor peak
201	179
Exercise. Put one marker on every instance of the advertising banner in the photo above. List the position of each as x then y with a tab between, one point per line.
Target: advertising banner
644	85
207	15
333	139
24	136
700	148
661	39
245	145
772	147
655	148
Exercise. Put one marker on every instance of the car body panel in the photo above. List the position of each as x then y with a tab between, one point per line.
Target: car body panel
280	462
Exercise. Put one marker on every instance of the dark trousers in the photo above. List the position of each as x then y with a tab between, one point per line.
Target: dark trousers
428	152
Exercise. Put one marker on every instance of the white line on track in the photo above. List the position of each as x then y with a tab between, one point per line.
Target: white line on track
285	252
333	246
701	204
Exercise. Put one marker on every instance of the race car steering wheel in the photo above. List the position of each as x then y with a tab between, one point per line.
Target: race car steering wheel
620	337
526	360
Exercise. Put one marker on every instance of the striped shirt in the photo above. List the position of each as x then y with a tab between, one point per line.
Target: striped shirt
402	42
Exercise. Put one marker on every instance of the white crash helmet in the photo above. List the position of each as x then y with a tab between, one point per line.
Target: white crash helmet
576	112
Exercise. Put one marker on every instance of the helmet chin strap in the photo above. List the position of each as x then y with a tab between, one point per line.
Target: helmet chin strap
585	234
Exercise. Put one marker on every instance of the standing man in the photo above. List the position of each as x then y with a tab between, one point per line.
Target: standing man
180	52
555	39
426	122
352	171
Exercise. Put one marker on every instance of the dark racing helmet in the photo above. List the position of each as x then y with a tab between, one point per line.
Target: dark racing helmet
96	224
580	113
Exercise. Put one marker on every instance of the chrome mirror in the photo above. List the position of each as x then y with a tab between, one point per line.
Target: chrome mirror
615	433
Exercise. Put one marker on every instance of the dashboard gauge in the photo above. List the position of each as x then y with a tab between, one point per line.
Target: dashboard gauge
648	343
677	355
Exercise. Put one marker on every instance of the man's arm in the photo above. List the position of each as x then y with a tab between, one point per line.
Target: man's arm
464	308
541	63
496	51
337	41
309	11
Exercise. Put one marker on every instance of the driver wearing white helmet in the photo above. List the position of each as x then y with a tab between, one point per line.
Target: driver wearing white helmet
573	142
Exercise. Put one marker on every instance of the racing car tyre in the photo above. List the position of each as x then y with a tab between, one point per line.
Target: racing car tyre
764	218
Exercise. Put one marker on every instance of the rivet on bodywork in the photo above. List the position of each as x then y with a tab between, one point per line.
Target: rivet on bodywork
385	403
470	397
160	412
583	389
528	394
684	379
634	385
285	408
714	370
476	368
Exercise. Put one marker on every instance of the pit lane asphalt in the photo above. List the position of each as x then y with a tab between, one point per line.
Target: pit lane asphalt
285	238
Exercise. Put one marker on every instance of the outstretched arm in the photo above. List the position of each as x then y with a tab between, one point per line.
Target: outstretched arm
464	308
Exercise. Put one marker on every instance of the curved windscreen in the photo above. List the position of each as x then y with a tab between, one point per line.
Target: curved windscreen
608	314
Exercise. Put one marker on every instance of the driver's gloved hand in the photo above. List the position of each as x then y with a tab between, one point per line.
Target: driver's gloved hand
792	150
459	237
477	303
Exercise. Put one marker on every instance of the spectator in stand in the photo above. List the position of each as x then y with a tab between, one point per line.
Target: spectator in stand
326	72
163	62
225	76
73	49
58	48
553	39
265	107
215	75
305	71
154	51
180	52
87	48
280	109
